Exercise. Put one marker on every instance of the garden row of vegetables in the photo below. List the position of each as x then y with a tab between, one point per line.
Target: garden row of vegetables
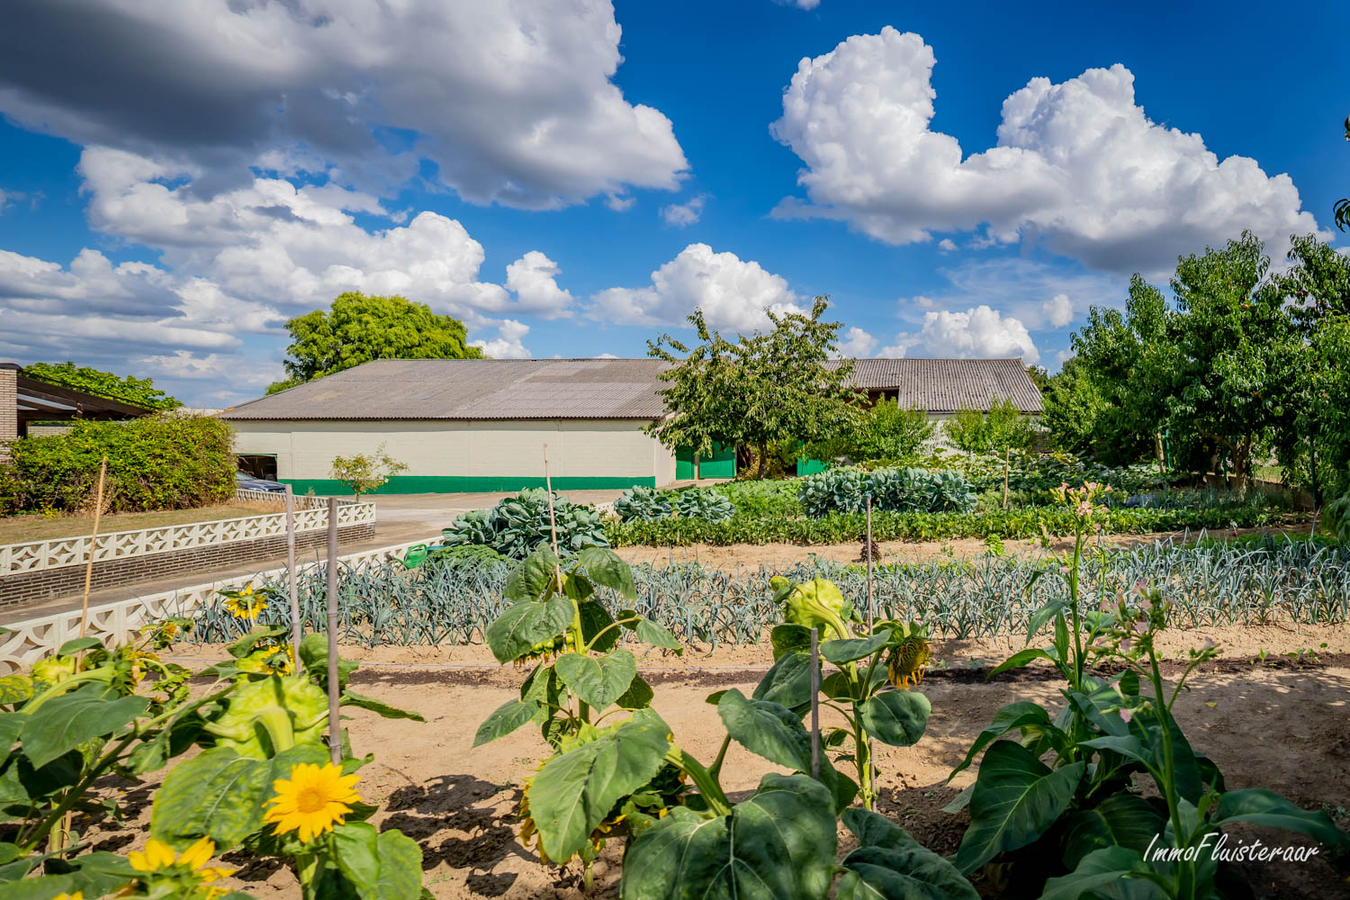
455	596
1057	795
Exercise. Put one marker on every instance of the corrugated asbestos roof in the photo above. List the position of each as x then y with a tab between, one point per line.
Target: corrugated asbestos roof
595	389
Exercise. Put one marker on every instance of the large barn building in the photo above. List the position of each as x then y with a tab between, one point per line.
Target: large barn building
481	424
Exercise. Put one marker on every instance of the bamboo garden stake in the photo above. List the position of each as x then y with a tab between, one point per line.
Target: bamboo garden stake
334	722
290	575
93	545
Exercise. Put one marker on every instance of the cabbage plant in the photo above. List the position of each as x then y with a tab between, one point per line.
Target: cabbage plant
643	503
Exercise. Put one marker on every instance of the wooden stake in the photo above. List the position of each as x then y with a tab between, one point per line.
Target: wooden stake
93	545
290	576
1007	464
548	487
870	603
334	720
815	703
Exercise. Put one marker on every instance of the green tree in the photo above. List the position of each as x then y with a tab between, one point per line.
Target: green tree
359	328
1002	428
1073	408
1237	350
136	391
883	431
764	389
363	473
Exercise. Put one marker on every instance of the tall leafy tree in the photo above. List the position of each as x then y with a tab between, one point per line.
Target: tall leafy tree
763	389
1073	406
129	389
360	327
1237	349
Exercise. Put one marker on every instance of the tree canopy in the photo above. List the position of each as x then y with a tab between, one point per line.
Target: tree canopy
360	327
764	389
136	391
1242	363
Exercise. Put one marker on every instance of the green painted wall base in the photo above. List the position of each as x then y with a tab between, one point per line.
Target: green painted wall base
722	464
466	484
810	467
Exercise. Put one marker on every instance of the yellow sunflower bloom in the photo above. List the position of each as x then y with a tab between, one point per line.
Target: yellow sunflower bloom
161	864
78	895
908	662
312	801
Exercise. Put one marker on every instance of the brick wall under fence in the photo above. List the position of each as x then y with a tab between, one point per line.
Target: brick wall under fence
43	570
31	639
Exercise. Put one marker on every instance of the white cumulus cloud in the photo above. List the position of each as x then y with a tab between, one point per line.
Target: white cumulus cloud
733	293
857	343
534	279
507	344
1078	165
1058	310
681	215
979	332
511	101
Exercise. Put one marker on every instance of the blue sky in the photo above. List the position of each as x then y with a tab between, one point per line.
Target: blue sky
181	177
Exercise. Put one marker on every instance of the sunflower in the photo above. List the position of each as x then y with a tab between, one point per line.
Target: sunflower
246	605
78	895
188	871
908	661
312	801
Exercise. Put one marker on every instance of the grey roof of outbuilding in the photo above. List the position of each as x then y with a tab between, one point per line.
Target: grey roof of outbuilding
595	389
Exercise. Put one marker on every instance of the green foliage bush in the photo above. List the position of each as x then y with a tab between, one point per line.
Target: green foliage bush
1002	428
159	462
1013	524
129	389
516	525
763	498
883	431
897	490
644	503
701	503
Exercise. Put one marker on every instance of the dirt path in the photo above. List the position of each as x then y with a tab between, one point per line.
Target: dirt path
1279	720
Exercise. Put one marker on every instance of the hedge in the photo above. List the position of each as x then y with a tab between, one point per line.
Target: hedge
838	528
159	462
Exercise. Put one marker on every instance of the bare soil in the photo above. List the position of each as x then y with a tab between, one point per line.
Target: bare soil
1273	711
751	556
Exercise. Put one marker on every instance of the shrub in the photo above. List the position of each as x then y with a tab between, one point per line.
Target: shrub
704	504
901	489
643	503
763	498
884	431
516	525
159	462
363	474
1002	428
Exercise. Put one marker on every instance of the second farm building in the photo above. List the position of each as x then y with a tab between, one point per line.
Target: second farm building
481	424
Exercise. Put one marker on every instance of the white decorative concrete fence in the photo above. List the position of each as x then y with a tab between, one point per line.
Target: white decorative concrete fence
31	639
35	556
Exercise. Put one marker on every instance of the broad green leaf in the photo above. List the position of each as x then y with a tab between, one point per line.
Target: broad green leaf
1095	706
1185	767
874	830
527	623
1020	715
777	845
244	646
650	632
10	726
15	689
638	696
1016	798
788	683
505	719
63	723
1262	807
846	651
574	791
594	620
100	873
221	795
915	873
351	698
1103	873
314	656
788	637
598	681
607	568
534	577
898	718
44	887
544	687
1122	819
1043	615
767	729
384	866
1019	659
71	647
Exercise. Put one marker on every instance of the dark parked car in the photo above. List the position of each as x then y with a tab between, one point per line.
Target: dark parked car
245	482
